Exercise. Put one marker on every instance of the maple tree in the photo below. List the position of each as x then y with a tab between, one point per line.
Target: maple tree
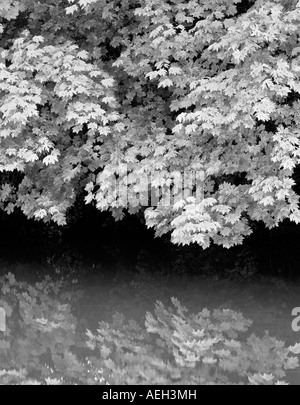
98	90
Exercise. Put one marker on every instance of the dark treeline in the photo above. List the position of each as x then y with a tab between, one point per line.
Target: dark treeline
92	238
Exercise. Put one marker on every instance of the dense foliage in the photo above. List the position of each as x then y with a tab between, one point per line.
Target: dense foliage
99	92
44	343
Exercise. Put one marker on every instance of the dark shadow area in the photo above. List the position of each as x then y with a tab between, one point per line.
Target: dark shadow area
94	239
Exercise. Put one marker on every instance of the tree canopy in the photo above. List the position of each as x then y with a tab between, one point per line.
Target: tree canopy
99	92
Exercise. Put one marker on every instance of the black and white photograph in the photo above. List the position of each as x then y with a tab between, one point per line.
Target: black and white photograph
149	195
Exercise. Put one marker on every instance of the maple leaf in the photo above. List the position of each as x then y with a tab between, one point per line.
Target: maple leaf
178	87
